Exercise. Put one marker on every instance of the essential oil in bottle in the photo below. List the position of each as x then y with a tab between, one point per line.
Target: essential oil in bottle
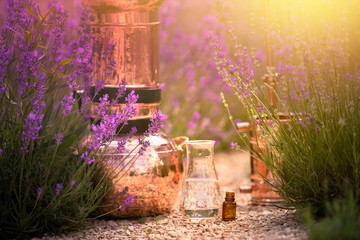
229	207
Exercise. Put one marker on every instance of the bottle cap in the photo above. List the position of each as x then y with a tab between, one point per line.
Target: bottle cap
230	194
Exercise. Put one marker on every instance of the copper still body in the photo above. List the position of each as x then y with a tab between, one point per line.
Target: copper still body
154	179
262	193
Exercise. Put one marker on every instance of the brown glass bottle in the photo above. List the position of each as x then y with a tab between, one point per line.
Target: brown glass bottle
229	207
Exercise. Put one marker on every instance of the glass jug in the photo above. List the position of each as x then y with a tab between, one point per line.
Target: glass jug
200	193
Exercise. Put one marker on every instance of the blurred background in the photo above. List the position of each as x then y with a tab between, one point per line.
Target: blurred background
190	82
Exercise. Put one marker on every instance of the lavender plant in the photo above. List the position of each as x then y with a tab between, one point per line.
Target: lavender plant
47	172
309	137
341	221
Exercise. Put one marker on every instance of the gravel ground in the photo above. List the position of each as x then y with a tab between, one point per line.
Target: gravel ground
252	222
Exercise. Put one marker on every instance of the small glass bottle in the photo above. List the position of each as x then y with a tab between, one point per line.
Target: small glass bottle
229	207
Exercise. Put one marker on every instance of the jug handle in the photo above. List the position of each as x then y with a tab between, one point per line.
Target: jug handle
180	143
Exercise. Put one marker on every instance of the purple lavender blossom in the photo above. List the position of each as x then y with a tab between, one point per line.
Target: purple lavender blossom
39	192
85	107
58	188
86	158
132	132
58	19
121	145
106	130
27	66
144	144
196	116
1	152
130	109
261	108
234	146
73	182
67	103
4	56
157	123
129	200
72	84
99	85
125	190
122	88
59	138
31	129
103	106
17	20
191	124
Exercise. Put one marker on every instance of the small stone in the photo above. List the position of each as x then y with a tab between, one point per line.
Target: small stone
266	213
127	232
112	223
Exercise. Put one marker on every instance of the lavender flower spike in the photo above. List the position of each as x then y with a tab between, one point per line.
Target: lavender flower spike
157	123
39	192
58	188
59	138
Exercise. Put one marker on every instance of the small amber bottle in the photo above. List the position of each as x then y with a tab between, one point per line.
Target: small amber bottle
229	207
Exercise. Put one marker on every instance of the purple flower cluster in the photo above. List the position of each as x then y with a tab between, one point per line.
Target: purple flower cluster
130	109
39	192
4	56
58	188
67	103
86	158
31	128
85	107
260	108
107	128
234	146
129	200
59	138
122	88
73	182
144	144
157	123
17	21
56	34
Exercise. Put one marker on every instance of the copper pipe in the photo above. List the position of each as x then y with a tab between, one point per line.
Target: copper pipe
269	56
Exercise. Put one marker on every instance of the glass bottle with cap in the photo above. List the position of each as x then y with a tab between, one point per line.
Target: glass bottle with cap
229	207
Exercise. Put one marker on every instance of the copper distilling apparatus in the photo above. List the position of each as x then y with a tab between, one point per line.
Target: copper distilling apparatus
156	177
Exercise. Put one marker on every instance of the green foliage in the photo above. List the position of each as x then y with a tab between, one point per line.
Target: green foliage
342	221
142	220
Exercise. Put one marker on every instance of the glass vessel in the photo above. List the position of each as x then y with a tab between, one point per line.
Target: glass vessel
200	193
154	177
